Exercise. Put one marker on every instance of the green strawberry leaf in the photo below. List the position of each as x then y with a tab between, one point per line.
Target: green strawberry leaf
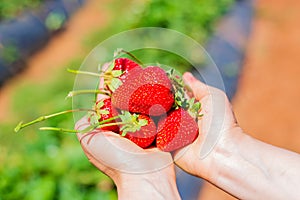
116	73
103	112
194	107
143	122
114	84
111	66
125	116
178	86
132	123
94	118
99	105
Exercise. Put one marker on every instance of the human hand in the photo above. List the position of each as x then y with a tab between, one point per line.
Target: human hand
138	173
216	127
233	160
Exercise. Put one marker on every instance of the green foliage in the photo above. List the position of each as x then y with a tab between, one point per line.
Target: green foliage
47	165
195	18
12	8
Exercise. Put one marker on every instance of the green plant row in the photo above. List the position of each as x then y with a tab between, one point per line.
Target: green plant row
12	8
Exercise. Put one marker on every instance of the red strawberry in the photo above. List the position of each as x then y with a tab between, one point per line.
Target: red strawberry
175	131
145	136
125	65
104	111
147	91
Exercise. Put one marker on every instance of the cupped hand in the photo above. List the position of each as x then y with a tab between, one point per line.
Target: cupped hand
112	153
215	127
138	173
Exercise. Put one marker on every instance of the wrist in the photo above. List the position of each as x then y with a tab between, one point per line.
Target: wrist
224	153
210	166
155	185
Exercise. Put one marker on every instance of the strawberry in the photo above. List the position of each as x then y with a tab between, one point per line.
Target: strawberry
104	111
138	128
146	91
145	136
177	130
125	65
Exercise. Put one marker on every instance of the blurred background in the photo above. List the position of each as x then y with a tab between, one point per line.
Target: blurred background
39	39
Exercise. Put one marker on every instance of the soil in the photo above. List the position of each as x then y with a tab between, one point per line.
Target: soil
62	48
267	101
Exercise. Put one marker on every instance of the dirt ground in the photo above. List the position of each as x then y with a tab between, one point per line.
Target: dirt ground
62	48
267	102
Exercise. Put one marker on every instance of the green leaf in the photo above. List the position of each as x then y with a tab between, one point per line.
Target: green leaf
94	118
114	84
194	107
111	66
103	112
132	123
99	105
116	73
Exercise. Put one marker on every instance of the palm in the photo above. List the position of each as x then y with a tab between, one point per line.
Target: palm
217	119
108	150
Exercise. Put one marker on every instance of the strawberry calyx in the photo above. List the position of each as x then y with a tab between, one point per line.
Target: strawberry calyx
178	87
131	122
95	117
111	77
103	111
194	108
191	105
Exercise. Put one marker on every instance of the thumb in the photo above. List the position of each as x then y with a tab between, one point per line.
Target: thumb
198	88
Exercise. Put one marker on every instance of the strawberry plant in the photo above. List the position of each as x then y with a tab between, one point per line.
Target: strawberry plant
11	8
145	104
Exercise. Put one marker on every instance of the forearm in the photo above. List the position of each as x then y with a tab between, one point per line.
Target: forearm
154	186
250	169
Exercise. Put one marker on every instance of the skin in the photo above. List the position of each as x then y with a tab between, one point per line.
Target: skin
239	164
130	167
223	154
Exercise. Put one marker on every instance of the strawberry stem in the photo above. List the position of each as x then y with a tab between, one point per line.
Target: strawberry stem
59	129
108	120
90	128
132	56
43	118
74	93
84	72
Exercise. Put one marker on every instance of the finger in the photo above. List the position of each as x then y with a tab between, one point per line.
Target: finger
102	84
198	88
81	125
105	136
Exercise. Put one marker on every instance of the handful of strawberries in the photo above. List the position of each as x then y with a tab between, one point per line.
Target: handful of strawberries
146	105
